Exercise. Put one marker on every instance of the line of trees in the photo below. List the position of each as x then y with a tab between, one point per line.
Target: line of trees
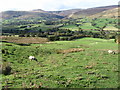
65	34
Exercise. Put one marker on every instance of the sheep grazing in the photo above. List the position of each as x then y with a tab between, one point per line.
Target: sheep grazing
111	52
32	58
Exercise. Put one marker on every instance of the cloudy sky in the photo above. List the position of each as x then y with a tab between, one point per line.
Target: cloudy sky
53	5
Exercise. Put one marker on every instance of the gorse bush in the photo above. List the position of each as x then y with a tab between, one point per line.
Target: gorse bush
5	51
5	68
117	39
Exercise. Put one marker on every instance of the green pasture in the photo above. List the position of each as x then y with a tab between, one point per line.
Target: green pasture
110	28
87	26
70	27
92	68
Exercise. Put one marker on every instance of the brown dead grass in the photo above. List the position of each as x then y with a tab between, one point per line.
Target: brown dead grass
88	67
25	40
71	50
85	46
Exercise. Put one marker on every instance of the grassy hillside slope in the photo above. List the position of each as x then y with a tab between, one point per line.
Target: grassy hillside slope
94	11
92	68
28	15
112	13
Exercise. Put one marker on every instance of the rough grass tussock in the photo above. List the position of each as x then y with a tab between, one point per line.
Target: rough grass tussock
71	50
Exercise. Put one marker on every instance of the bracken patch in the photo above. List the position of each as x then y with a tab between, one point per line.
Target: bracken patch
71	50
25	40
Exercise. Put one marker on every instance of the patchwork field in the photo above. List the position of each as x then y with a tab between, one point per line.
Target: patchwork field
70	27
24	40
87	64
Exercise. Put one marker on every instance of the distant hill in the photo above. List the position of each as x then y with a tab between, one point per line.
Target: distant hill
65	12
112	13
91	11
39	10
105	11
29	15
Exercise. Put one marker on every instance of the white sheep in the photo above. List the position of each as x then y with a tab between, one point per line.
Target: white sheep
32	58
111	52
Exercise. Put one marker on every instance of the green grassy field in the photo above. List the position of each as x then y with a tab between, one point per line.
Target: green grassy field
70	27
111	28
87	26
92	68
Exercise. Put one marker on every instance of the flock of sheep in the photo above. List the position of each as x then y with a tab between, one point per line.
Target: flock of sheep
33	58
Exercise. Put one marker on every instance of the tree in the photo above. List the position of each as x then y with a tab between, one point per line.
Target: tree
27	35
53	38
33	35
21	35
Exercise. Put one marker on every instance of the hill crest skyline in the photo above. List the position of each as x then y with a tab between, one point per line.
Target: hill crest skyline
40	9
